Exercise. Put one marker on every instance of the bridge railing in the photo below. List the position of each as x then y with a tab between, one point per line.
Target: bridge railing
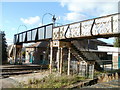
97	27
33	35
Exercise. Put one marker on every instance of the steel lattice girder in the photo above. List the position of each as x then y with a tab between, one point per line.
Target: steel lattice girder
106	26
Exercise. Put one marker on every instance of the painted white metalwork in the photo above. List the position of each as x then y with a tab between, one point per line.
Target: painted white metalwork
20	38
48	31
116	26
106	25
34	33
56	33
24	35
86	27
41	33
29	36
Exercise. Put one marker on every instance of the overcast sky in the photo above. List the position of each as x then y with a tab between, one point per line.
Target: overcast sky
30	13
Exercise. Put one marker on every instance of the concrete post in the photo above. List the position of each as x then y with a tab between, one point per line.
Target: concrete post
92	71
58	61
61	60
69	52
51	56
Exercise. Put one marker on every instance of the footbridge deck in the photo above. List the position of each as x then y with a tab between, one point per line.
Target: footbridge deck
106	26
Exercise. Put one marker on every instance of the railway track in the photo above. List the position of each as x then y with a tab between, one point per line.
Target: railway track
20	69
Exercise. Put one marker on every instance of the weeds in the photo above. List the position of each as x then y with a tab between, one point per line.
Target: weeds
52	81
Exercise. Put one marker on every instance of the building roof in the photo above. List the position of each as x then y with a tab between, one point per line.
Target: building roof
102	42
45	43
109	49
34	45
38	44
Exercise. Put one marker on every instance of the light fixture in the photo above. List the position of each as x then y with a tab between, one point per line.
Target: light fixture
53	17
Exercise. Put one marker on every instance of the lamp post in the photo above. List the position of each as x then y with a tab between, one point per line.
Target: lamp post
18	50
21	26
53	18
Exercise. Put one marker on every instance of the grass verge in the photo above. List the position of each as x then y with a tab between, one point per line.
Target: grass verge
53	81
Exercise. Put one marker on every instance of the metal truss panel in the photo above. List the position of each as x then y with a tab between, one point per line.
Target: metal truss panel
62	32
20	37
24	36
56	33
86	28
29	36
116	24
48	32
102	26
34	33
17	38
75	30
41	33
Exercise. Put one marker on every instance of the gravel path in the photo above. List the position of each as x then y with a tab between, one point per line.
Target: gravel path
26	77
14	81
9	83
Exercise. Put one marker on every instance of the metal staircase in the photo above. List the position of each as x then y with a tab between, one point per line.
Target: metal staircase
86	53
77	54
83	54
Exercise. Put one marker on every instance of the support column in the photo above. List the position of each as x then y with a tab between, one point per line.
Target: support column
61	60
17	53
87	69
112	66
20	56
69	51
103	66
58	59
51	56
92	71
